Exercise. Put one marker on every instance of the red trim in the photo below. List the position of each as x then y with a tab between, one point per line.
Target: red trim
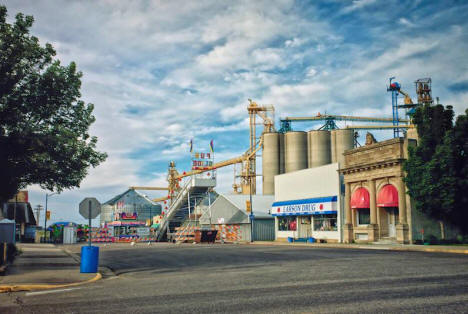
388	196
360	198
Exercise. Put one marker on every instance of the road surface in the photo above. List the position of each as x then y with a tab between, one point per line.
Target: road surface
168	278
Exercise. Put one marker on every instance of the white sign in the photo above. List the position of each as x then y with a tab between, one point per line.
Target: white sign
220	220
143	231
323	205
86	204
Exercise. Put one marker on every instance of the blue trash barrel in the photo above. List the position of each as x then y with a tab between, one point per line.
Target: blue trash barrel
89	259
290	239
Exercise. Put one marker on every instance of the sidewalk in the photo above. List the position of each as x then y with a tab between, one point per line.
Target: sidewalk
43	266
457	249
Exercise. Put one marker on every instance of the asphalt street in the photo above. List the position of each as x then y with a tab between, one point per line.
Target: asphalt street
168	278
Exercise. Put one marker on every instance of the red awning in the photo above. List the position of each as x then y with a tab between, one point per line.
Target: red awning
388	196
360	199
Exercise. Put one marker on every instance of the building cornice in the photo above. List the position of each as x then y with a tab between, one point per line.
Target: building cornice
374	165
392	141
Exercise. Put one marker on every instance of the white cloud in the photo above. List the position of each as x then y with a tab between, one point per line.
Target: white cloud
458	101
405	22
358	4
290	98
268	58
233	112
311	72
295	42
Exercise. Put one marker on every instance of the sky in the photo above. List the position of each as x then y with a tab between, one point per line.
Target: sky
160	73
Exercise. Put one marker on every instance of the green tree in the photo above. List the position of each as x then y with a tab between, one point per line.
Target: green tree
437	169
44	125
460	148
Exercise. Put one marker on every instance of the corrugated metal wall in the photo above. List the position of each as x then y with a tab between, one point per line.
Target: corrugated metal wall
264	230
132	202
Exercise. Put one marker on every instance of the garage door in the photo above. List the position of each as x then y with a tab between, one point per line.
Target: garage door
264	230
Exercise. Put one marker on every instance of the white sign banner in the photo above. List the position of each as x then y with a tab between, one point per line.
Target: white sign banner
323	205
143	231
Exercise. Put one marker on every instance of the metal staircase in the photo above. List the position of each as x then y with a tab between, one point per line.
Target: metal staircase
186	200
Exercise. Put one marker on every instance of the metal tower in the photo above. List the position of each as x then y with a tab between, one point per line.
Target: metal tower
394	89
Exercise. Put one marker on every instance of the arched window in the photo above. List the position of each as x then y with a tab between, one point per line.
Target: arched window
360	201
360	198
388	196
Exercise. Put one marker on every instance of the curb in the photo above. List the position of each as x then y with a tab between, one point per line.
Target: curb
365	247
31	287
430	250
71	254
106	269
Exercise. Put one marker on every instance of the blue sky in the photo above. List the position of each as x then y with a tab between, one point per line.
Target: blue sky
162	72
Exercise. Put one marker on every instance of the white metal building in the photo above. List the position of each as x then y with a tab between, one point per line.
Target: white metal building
308	203
230	210
131	201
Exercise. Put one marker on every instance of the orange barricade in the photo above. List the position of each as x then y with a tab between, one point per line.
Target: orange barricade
187	233
228	233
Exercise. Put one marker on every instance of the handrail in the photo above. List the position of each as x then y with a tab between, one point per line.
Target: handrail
165	220
339	117
189	182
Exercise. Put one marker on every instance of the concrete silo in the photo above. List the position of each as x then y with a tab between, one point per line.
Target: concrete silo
332	146
270	161
341	140
295	151
281	152
319	148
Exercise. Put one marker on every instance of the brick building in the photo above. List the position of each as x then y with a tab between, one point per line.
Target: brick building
377	206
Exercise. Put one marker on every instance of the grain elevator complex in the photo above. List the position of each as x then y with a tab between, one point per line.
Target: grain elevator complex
318	185
296	150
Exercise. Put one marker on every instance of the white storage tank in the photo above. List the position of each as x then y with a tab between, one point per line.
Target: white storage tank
332	146
281	153
270	161
295	148
319	148
341	140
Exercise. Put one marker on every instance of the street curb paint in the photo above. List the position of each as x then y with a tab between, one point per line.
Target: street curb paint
32	287
434	250
367	247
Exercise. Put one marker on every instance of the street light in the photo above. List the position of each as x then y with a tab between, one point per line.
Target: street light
45	214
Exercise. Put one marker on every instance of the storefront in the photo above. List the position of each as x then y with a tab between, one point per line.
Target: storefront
307	204
124	231
314	217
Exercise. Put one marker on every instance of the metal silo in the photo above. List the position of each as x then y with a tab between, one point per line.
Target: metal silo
270	161
319	148
333	146
309	150
295	149
281	152
344	140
